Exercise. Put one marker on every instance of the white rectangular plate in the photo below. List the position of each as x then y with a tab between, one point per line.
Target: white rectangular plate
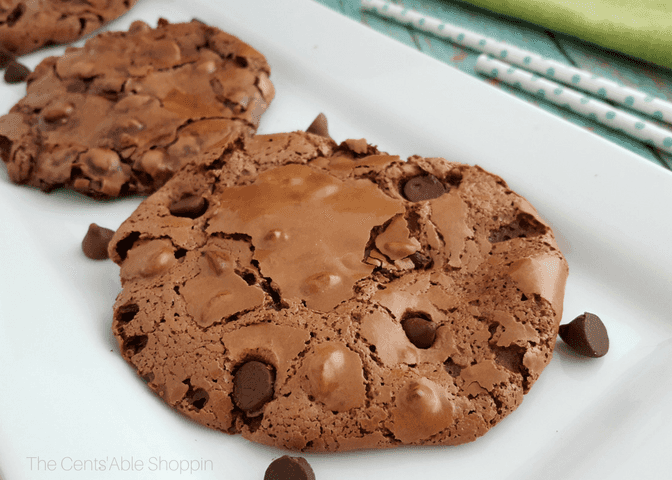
68	400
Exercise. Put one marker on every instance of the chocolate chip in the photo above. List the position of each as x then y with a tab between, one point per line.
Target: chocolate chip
423	187
191	206
319	126
5	57
289	468
420	331
16	72
586	335
253	386
95	242
420	261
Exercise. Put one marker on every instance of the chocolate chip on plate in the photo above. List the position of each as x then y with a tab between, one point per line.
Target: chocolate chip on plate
420	331
586	335
424	187
16	72
95	242
253	386
191	206
320	126
289	468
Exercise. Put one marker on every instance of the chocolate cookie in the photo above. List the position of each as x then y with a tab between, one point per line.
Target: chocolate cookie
122	114
26	25
322	298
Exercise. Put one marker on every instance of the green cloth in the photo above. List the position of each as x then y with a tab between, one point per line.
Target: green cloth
641	28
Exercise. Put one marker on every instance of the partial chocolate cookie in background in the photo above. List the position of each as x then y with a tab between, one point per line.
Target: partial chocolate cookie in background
311	301
26	26
122	114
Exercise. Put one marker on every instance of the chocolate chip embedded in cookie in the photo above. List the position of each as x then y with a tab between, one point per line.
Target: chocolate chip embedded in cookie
316	305
420	331
122	114
253	387
191	206
26	26
423	187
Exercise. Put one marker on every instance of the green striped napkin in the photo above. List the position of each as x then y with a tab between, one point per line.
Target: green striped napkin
641	28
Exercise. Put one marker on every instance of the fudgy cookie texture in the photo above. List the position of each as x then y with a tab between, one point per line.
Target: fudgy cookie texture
27	25
324	297
125	112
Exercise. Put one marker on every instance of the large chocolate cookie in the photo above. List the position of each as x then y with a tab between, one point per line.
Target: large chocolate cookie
122	114
27	25
321	297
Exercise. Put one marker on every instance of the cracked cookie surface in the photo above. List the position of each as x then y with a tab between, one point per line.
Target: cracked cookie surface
323	297
26	26
122	114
